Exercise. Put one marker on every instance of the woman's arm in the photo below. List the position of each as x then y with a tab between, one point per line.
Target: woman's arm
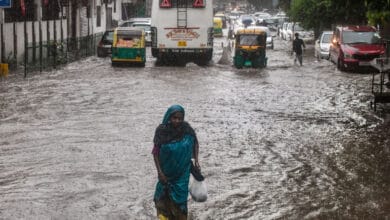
161	175
196	154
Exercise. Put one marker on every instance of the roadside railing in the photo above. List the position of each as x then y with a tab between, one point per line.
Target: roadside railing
49	55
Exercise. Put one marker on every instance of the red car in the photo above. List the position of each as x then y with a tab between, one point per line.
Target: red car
353	47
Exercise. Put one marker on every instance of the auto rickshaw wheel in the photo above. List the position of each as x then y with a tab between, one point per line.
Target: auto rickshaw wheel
256	63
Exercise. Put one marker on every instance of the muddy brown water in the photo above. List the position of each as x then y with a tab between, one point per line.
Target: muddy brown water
283	142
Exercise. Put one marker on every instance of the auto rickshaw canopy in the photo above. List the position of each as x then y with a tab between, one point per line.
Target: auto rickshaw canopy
217	22
251	37
129	37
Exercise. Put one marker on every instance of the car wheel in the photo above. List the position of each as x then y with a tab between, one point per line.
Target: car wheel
340	65
100	54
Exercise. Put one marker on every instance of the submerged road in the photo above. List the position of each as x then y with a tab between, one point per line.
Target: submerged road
283	142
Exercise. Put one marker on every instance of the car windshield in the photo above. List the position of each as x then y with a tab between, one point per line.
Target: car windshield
109	36
354	37
126	24
326	38
249	40
145	27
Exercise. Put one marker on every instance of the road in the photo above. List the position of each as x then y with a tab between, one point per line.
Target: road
283	142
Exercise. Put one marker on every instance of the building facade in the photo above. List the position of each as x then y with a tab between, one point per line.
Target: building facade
35	27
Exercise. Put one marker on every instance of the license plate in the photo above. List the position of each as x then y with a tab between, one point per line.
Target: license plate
364	63
182	44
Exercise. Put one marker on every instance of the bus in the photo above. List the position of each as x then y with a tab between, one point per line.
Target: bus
182	31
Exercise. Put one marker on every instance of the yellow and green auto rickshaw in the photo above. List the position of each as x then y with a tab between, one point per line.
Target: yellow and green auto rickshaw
250	48
218	27
128	46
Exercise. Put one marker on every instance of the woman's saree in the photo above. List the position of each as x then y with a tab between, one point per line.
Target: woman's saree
175	161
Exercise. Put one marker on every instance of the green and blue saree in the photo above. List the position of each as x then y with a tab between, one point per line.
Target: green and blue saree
174	147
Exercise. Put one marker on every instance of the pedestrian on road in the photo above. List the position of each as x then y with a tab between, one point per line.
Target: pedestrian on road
298	47
175	143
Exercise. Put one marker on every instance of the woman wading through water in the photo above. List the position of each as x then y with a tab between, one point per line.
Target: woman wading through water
175	143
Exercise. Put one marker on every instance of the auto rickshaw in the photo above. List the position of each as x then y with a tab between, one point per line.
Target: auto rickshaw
218	27
128	46
223	17
250	48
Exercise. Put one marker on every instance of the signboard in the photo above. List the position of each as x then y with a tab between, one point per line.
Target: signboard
5	3
182	34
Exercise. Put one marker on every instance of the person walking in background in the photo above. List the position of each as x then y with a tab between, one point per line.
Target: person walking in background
175	143
298	47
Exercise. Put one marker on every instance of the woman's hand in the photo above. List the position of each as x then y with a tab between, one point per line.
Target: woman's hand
197	164
162	178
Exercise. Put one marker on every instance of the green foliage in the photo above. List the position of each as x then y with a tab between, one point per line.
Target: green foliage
284	5
378	11
322	14
378	17
312	14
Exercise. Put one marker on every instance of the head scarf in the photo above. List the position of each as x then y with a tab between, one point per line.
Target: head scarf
172	110
166	133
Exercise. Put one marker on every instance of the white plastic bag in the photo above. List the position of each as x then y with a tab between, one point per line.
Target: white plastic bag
198	191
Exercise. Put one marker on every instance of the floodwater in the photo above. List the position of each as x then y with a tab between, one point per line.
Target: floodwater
283	142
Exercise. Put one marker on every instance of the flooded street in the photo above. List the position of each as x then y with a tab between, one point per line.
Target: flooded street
283	142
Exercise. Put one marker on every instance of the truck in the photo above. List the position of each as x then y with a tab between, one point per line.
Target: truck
182	31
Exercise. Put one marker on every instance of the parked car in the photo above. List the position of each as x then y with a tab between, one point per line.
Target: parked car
147	28
246	21
270	37
129	23
289	33
305	35
322	45
283	30
261	15
354	47
105	44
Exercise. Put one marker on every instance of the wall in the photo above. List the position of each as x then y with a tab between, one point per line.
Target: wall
81	28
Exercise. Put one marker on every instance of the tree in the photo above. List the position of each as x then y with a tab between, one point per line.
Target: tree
322	14
260	4
284	5
378	13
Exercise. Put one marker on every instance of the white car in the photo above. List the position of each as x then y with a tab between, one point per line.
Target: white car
129	23
322	45
270	37
289	33
305	35
146	27
261	15
283	30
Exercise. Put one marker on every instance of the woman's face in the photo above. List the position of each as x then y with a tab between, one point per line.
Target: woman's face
177	118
